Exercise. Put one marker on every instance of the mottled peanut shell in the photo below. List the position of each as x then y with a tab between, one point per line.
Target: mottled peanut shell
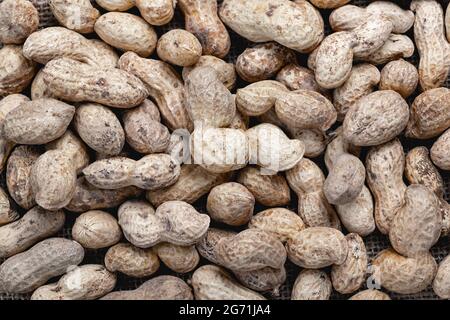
430	114
240	121
163	85
362	80
230	203
329	4
18	19
284	223
7	214
249	250
312	285
75	81
371	35
400	76
207	244
225	71
208	101
349	276
53	180
214	283
38	122
315	141
376	118
37	224
396	46
192	184
106	136
96	229
116	5
440	152
317	247
158	288
180	259
441	283
18	173
29	270
179	47
417	225
263	61
156	13
384	171
126	32
201	19
16	71
298	25
131	261
370	294
265	279
79	15
87	197
337	147
295	77
39	89
268	190
88	282
404	275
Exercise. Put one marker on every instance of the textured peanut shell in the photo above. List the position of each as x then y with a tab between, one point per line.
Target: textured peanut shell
329	4
16	71
440	151
206	246
249	250
265	279
441	283
404	275
7	214
400	76
53	180
297	25
349	276
312	285
370	294
106	136
87	282
201	19
396	46
296	77
39	89
225	71
156	13
180	259
28	270
429	115
37	224
18	172
163	85
315	141
38	121
371	35
96	229
376	118
158	288
131	261
230	203
18	19
214	283
284	223
79	16
337	147
179	47
126	32
75	81
116	5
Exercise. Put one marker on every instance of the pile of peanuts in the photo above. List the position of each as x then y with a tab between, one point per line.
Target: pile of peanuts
103	119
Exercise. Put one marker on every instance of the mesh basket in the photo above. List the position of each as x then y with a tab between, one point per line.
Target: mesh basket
374	242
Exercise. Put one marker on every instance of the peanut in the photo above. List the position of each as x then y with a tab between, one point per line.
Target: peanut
329	4
315	141
312	285
400	76
370	294
396	46
206	246
440	151
441	283
295	77
7	214
18	19
179	47
225	71
265	279
16	71
79	16
180	259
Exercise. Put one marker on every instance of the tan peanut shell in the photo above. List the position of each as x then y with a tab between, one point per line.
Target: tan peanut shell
163	85
230	203
396	46
240	121
265	279
312	285
35	225
16	71
284	223
294	25
263	61
156	13
180	259
329	4
79	16
317	247
370	294
225	71
349	276
28	270
441	283
206	246
87	197
18	19
214	283
403	275
296	77
440	151
371	35
179	47
158	288
201	19
315	141
400	76
39	89
87	282
18	172
429	115
111	87
131	261
126	32
7	214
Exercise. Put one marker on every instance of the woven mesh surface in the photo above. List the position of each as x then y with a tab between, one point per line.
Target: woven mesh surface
374	243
